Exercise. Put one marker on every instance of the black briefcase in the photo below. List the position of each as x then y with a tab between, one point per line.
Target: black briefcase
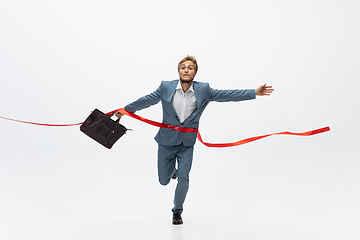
102	128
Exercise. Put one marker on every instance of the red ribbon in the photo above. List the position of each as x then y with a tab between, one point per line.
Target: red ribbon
182	129
247	140
219	145
42	124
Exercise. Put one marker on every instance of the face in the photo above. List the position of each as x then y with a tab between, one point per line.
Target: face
187	71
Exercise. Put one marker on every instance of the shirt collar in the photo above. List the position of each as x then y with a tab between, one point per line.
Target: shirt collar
191	88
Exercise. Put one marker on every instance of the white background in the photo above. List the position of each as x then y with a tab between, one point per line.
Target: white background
61	59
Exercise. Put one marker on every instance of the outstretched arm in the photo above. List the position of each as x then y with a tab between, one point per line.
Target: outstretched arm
141	103
264	90
239	95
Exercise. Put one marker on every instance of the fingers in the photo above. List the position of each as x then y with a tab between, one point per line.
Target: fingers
266	90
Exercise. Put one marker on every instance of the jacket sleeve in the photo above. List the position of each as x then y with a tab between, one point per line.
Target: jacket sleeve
144	102
231	95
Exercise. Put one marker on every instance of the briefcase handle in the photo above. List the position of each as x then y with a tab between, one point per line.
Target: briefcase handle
112	114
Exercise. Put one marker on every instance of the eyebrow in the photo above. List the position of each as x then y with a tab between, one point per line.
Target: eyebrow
187	65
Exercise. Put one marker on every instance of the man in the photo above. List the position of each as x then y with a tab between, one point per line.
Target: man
183	102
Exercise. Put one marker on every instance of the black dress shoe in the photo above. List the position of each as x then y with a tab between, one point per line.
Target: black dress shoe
177	220
174	176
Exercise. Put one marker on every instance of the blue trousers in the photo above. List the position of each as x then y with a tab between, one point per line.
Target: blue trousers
167	156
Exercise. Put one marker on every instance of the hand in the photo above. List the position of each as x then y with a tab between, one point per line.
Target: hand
264	90
119	114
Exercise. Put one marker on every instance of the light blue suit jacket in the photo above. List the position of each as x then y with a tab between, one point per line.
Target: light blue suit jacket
204	95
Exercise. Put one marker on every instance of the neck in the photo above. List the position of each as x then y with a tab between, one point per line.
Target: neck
185	85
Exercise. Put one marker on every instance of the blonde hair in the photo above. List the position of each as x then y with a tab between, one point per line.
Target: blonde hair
189	58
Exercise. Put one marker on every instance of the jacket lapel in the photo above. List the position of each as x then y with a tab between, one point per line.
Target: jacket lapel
171	92
197	94
197	91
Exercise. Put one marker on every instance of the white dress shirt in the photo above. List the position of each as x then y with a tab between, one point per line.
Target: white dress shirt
184	103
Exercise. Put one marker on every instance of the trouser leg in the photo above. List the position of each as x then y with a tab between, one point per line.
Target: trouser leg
167	156
184	157
166	163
